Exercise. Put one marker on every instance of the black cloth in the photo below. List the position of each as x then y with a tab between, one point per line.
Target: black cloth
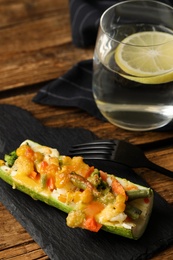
47	225
71	90
85	17
74	89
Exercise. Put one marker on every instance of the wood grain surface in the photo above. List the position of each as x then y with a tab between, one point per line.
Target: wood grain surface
35	48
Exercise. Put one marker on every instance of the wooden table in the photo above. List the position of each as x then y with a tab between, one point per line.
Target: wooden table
36	47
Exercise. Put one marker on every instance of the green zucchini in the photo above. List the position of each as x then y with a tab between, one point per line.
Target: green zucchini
92	198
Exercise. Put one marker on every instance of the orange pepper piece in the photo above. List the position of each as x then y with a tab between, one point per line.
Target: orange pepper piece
51	183
91	224
117	188
33	175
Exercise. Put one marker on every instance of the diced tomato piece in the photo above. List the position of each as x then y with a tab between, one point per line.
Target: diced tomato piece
146	200
90	170
91	224
103	175
33	175
43	166
51	183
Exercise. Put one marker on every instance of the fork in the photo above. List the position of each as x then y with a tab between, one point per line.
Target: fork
118	151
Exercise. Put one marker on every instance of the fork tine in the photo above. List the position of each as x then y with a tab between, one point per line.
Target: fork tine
102	149
95	143
94	156
94	150
118	151
89	151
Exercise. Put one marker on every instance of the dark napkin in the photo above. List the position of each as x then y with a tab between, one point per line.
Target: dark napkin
85	17
47	225
74	89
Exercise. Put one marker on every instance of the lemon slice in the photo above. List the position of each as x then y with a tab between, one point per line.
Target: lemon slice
146	57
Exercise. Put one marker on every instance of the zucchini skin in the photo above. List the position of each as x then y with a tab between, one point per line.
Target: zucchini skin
50	200
46	198
131	233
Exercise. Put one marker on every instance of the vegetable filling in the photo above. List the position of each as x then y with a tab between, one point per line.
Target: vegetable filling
96	198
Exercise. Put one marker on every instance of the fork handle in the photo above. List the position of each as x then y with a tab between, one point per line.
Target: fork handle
152	166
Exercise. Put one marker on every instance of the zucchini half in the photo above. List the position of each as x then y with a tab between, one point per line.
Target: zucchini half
98	184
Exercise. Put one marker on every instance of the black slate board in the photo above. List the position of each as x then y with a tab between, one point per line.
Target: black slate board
47	225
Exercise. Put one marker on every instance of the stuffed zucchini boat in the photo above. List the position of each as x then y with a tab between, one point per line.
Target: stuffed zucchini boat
92	198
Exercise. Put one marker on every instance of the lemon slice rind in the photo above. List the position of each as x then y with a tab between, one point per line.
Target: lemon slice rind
166	78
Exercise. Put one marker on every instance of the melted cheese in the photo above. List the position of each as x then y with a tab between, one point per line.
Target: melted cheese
113	213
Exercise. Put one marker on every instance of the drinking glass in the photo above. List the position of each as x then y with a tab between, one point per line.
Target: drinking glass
133	65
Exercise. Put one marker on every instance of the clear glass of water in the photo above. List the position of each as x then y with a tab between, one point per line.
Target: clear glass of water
133	65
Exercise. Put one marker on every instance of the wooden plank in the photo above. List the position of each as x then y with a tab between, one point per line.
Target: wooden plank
15	242
32	48
40	65
17	11
10	228
69	117
28	36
